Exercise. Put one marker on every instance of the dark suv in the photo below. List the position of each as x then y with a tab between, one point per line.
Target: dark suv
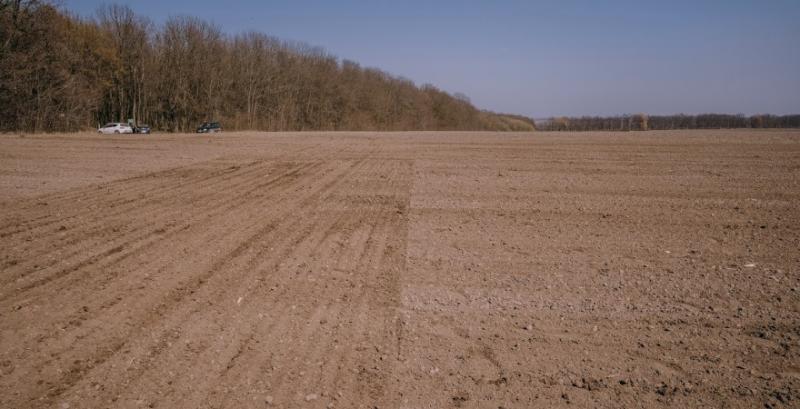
209	127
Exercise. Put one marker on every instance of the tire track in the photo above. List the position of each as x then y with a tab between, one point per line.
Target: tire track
303	226
175	297
381	306
242	247
287	244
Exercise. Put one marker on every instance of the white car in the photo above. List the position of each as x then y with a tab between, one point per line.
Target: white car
115	127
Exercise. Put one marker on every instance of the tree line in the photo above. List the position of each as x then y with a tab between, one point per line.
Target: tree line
643	122
60	72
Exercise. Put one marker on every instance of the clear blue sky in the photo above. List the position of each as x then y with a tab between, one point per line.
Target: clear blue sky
545	58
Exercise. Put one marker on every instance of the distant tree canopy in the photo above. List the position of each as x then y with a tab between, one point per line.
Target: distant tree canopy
61	73
643	122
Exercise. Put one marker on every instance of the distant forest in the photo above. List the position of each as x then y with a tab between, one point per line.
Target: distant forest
60	72
644	122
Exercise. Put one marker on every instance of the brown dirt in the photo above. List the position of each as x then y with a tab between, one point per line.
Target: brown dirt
410	270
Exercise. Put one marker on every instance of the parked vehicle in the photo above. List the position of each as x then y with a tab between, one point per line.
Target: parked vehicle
115	127
209	127
145	129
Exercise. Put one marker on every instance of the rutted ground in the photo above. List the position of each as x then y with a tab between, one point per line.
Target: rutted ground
401	270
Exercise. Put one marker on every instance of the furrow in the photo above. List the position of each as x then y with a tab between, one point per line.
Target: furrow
175	297
218	207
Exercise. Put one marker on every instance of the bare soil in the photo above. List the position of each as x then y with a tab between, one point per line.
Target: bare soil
400	270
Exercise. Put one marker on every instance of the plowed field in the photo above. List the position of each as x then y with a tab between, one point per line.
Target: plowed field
400	270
